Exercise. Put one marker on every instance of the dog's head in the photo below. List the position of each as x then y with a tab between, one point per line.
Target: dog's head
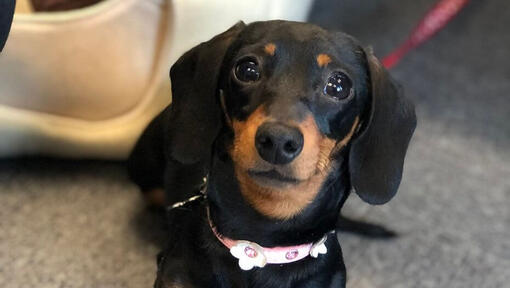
295	100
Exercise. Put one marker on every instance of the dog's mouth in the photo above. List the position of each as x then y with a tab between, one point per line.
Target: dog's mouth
271	177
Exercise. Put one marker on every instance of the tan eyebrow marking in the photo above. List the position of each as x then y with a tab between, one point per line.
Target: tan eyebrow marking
323	60
270	48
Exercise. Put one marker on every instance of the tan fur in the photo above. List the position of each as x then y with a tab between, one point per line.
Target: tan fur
280	202
323	60
243	151
270	48
310	168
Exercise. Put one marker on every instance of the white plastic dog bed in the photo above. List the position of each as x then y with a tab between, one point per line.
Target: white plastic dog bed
85	83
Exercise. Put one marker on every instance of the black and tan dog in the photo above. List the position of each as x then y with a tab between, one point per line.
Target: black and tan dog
285	118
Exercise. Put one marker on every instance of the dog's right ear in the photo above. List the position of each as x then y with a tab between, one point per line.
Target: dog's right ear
194	118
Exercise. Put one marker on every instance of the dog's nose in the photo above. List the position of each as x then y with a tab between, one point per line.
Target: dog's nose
278	143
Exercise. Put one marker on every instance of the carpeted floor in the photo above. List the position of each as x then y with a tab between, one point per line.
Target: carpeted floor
83	224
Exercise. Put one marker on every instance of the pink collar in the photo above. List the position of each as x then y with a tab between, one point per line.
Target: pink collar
251	254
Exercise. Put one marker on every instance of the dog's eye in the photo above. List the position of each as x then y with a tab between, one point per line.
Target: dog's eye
339	86
247	71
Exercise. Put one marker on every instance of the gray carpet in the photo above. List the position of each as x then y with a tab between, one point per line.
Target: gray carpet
83	224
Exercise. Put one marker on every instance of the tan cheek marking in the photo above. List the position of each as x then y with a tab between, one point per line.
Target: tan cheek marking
243	152
330	146
326	147
304	165
323	60
270	48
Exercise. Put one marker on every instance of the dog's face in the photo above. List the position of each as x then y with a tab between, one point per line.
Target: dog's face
293	96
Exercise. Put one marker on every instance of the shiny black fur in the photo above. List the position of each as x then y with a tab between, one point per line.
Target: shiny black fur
190	138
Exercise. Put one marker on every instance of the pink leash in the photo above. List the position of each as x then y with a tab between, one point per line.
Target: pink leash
435	19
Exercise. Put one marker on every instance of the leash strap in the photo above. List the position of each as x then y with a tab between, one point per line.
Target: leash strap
435	19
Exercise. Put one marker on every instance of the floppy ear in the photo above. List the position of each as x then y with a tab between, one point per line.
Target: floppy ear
377	155
195	116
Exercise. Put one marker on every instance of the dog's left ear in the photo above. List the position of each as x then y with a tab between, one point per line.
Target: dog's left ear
195	117
377	155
